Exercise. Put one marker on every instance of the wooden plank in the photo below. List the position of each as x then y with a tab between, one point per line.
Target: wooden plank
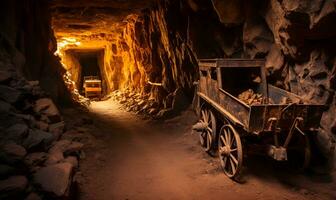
240	63
231	62
207	64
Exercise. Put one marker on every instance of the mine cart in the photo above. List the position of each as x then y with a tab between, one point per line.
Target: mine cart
92	87
237	106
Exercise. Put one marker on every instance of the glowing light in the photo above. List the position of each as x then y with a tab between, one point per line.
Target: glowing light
65	43
62	45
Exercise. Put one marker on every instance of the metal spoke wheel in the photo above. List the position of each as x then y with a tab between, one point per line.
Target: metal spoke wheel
230	151
299	152
208	135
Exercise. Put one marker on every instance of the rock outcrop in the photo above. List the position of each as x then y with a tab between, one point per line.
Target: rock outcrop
27	38
28	143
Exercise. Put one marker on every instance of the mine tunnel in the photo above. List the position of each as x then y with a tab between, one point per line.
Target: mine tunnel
167	99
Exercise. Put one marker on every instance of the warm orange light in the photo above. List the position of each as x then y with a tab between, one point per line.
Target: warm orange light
65	43
62	45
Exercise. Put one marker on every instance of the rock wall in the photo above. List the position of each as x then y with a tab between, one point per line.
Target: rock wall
153	57
27	38
34	163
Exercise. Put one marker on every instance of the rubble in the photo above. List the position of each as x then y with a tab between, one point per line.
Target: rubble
55	179
251	98
71	85
148	106
13	187
30	154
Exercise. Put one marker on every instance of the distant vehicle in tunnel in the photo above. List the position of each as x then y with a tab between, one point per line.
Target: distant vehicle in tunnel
92	87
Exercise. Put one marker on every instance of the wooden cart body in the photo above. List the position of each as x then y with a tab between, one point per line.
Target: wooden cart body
254	118
92	87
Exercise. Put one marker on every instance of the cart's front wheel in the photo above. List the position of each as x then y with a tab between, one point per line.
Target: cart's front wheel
208	135
230	151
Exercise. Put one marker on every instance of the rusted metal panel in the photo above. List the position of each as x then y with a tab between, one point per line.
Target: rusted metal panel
285	116
231	62
240	63
219	108
234	106
276	94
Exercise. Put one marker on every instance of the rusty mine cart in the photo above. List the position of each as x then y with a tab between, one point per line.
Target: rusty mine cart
92	87
236	106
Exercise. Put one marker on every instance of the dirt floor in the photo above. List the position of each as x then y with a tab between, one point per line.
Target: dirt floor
128	157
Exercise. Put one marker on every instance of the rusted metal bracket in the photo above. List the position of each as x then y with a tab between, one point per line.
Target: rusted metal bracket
271	125
297	122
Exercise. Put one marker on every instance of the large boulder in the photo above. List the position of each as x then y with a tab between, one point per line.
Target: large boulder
35	159
9	94
46	106
12	153
55	179
13	187
38	139
17	132
54	157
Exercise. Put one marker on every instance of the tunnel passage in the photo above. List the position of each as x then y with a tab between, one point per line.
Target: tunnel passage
85	63
90	66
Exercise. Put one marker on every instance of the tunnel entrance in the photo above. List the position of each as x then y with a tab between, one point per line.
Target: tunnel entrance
90	66
89	69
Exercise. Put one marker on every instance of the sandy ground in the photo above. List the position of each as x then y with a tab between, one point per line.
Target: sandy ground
127	157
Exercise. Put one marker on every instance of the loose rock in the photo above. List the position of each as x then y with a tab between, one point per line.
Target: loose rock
38	139
13	187
9	94
11	153
55	179
46	106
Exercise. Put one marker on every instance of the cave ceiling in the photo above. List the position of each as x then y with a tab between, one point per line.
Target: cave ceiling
93	20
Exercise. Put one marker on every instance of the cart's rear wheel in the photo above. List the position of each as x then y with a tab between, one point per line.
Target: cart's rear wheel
208	136
230	151
299	152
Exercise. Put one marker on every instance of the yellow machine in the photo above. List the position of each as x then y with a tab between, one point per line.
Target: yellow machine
92	87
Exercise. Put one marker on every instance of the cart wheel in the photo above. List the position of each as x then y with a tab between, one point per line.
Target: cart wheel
299	152
208	136
230	151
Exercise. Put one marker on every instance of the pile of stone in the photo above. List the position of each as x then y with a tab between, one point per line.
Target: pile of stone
145	105
136	102
35	163
75	95
251	98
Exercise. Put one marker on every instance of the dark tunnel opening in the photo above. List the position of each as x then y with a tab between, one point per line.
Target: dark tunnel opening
90	67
